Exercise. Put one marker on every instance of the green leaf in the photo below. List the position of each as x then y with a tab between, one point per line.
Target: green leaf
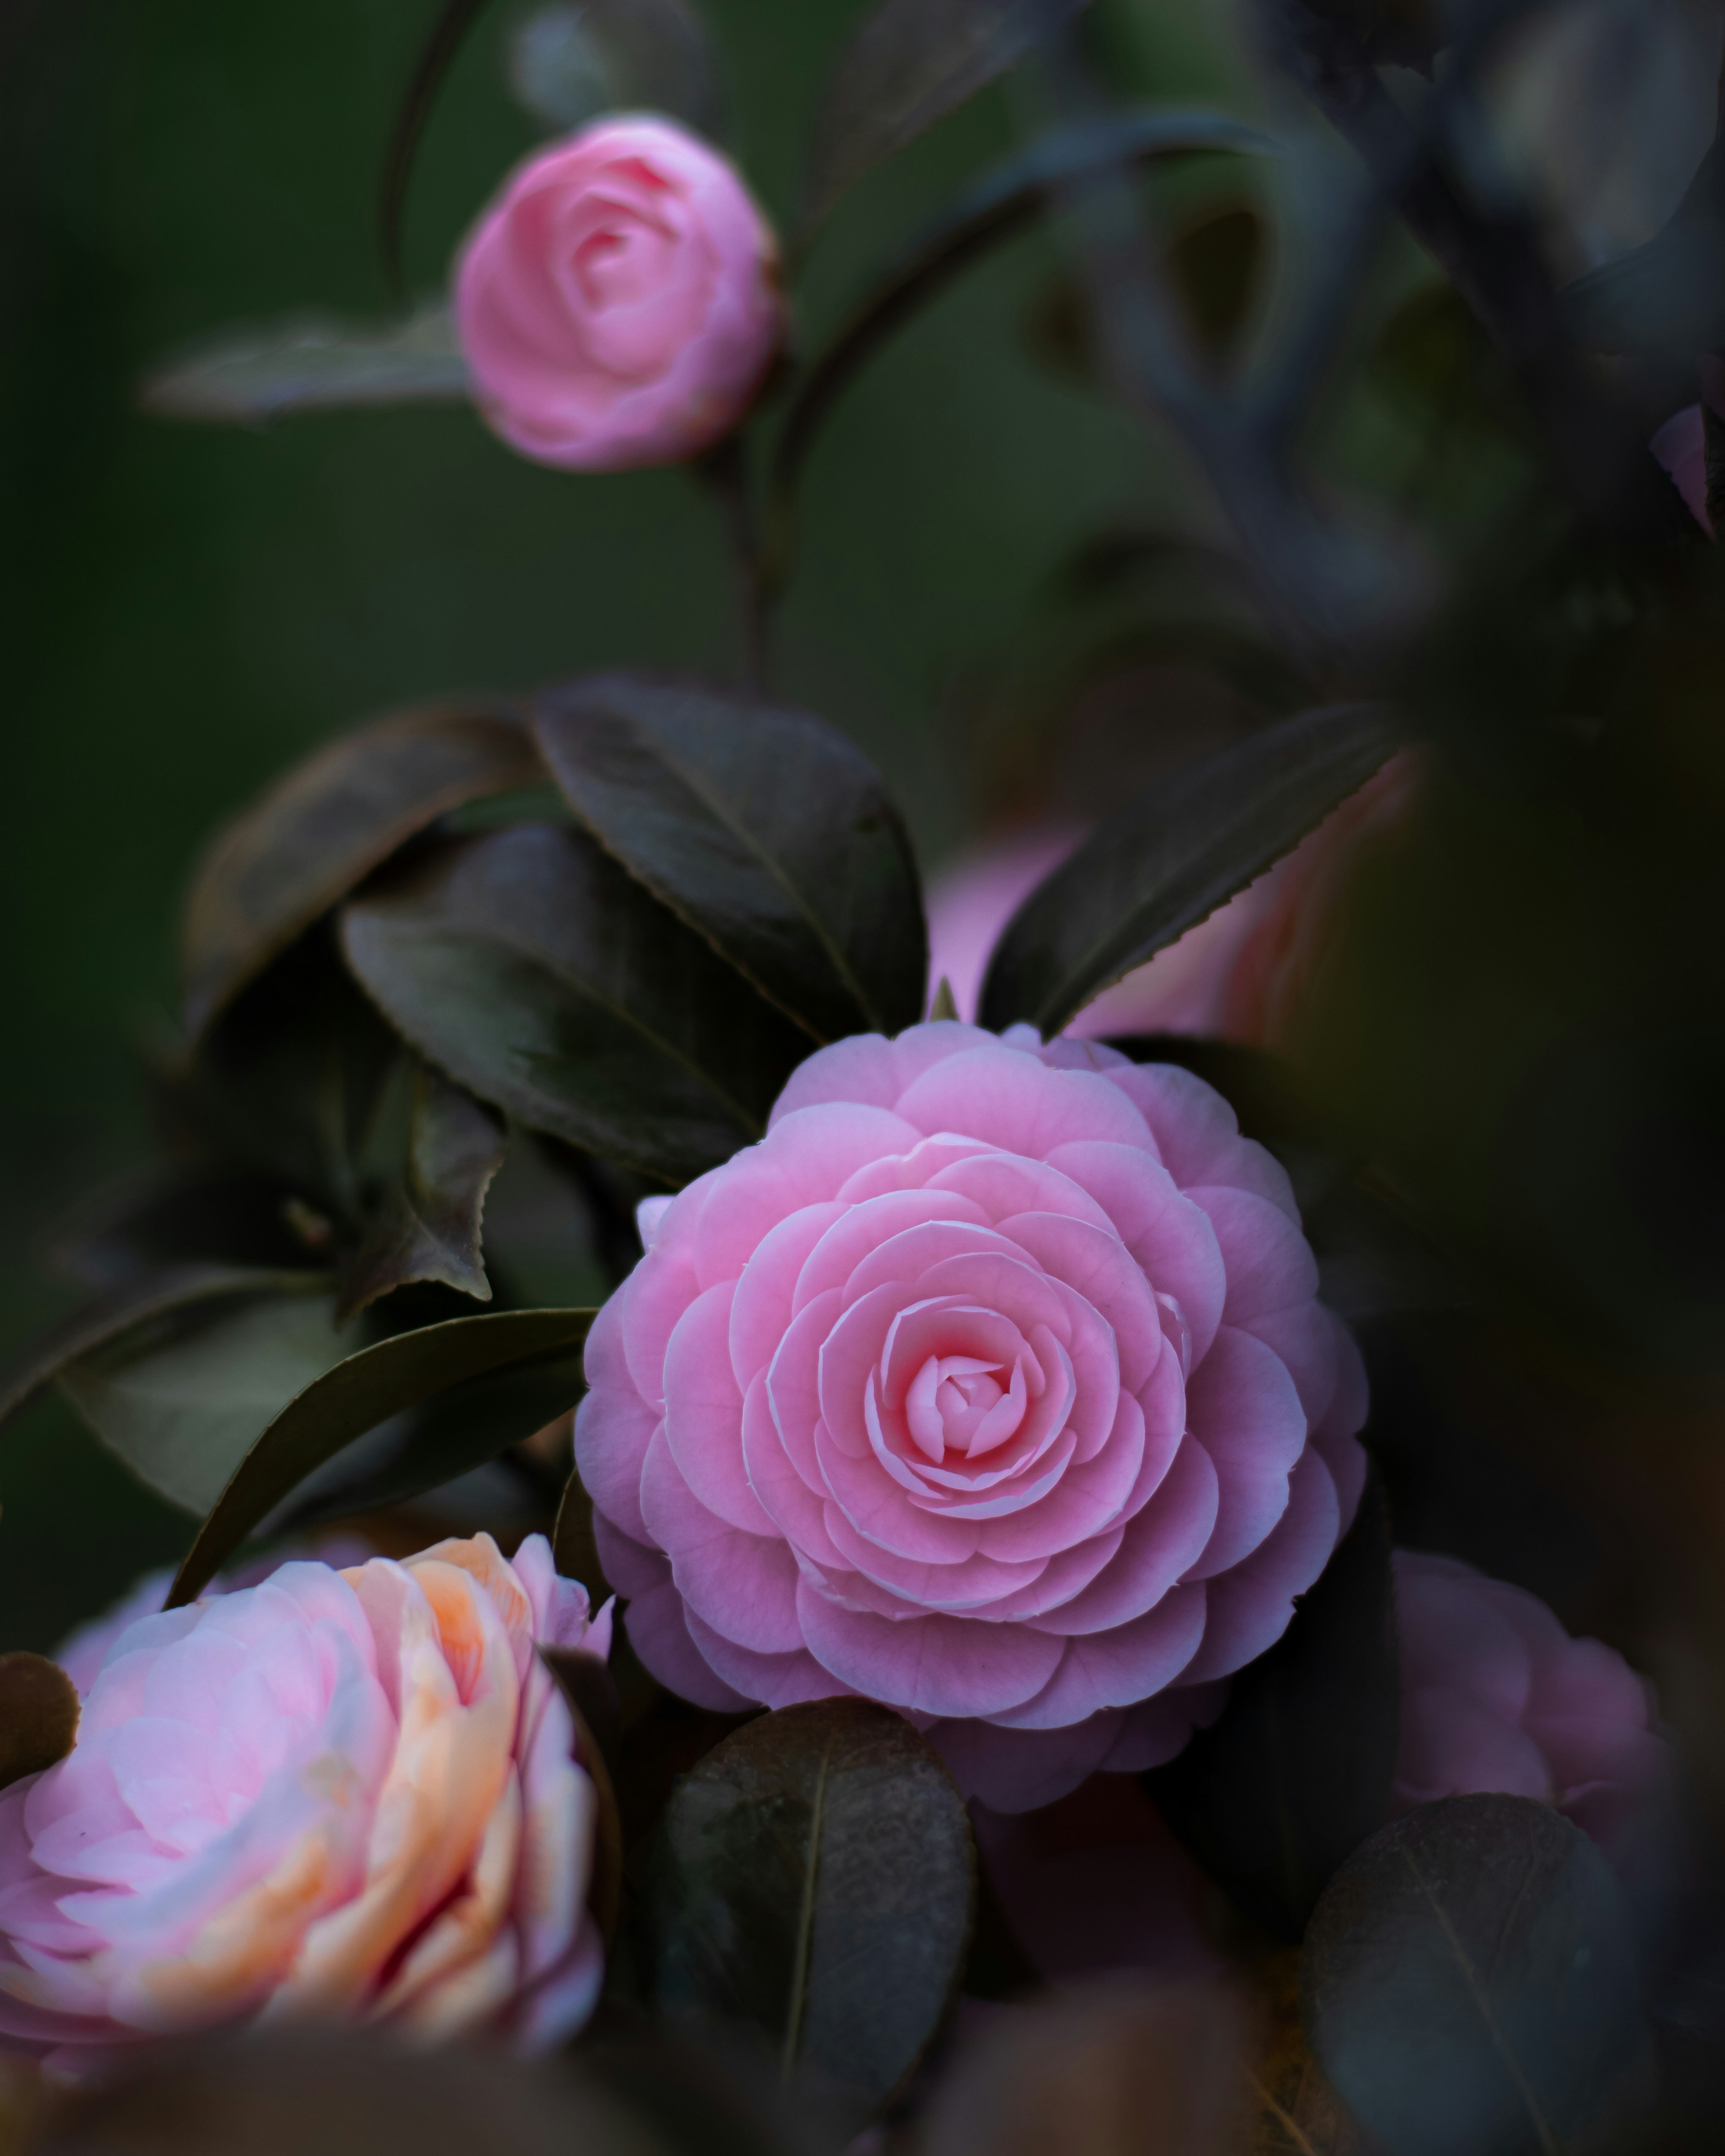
312	364
813	1878
1665	295
38	1716
200	1215
430	1228
572	62
1175	853
181	1399
911	64
1469	1980
1297	1774
544	978
1003	203
763	829
324	827
139	1300
354	1398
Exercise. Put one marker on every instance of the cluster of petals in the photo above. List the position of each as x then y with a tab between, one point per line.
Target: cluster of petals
344	1795
619	302
993	1385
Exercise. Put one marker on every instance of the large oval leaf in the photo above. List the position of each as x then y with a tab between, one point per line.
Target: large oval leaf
182	1399
38	1716
543	977
325	826
1295	1775
313	363
911	64
354	1398
762	828
813	1877
1174	854
1470	1982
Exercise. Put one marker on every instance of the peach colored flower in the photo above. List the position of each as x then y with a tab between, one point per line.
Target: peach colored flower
619	302
343	1794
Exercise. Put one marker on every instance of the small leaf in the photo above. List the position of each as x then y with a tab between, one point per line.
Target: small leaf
313	363
1296	1772
139	1300
1168	859
580	1676
572	62
431	1228
324	827
544	978
912	62
1469	1981
354	1398
813	1877
764	828
38	1716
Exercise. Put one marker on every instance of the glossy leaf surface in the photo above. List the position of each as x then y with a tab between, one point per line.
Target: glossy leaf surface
1174	854
355	1397
326	825
813	1877
313	363
762	828
430	1228
1470	1982
38	1716
546	980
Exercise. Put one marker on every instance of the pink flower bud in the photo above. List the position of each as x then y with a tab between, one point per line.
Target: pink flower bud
618	302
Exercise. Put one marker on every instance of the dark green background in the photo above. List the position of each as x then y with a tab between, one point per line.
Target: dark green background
192	608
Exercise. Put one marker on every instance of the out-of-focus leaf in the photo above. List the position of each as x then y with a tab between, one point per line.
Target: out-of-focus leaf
1173	855
1295	1775
365	1389
140	1299
177	1217
546	979
1118	2065
1294	2111
911	64
1469	1981
430	1228
572	1543
579	1676
437	56
323	829
762	828
312	364
999	204
575	60
1668	295
813	1877
181	1399
1435	359
38	1716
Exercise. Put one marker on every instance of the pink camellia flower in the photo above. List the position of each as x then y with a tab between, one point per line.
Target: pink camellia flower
344	1795
619	302
991	1384
1242	974
1495	1696
1681	446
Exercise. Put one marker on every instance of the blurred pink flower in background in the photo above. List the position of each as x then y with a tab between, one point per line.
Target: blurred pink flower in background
341	1795
619	302
992	1385
1241	975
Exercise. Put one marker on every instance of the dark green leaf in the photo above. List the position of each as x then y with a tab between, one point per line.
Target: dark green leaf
140	1299
911	63
430	1228
1297	1774
813	1877
1174	854
355	1397
326	825
181	1399
999	204
546	979
763	829
573	1544
1666	295
313	363
38	1716
592	1700
437	56
1469	1980
574	61
177	1217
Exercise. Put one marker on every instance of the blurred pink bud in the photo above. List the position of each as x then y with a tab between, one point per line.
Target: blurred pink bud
1681	446
344	1795
1241	975
619	302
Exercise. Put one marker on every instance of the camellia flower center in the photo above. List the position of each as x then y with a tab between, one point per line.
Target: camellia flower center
957	1404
